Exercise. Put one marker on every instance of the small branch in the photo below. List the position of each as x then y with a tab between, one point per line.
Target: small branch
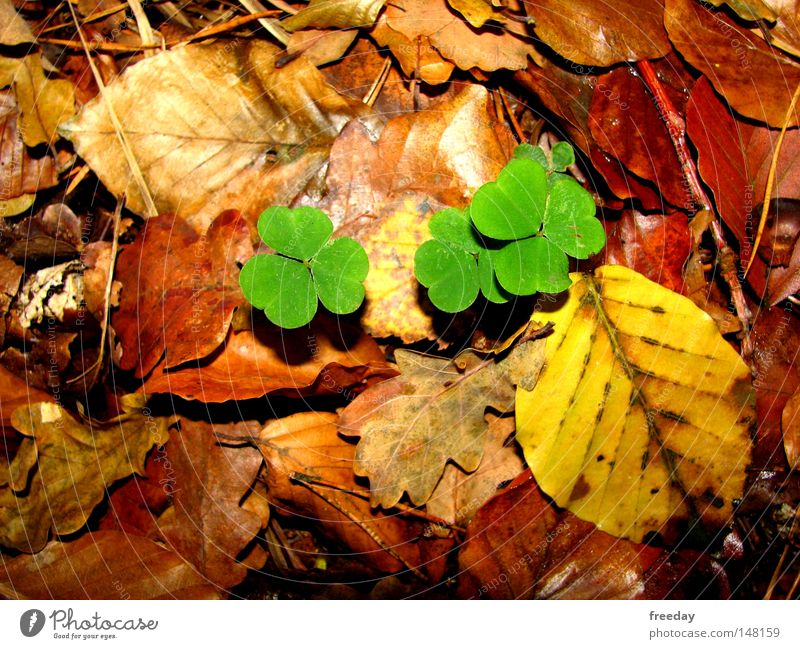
726	258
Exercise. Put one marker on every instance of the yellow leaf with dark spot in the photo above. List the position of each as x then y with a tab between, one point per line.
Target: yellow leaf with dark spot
642	412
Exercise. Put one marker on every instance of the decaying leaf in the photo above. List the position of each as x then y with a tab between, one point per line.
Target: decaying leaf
412	425
323	358
308	443
460	494
214	127
108	565
179	290
206	525
43	103
417	58
63	466
642	413
521	547
601	33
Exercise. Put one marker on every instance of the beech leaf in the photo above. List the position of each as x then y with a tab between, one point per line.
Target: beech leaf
214	127
642	413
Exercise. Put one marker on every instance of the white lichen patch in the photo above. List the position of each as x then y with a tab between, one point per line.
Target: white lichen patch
52	292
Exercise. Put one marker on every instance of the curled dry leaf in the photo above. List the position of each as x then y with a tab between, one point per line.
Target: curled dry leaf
754	78
43	103
460	494
412	425
324	358
642	413
308	443
734	157
417	58
206	524
63	466
179	290
601	33
214	127
104	565
10	276
519	546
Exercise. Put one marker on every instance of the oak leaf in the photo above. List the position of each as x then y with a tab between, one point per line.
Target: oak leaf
63	466
434	412
214	127
642	413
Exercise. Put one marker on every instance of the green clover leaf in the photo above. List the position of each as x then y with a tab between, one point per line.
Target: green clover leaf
454	227
562	156
569	219
535	153
308	266
513	206
299	233
339	271
530	265
449	273
490	287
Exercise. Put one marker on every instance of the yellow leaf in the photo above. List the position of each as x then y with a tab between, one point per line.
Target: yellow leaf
13	28
63	466
476	12
43	103
335	13
642	412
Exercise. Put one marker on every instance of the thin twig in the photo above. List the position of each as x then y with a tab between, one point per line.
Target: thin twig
512	117
95	367
147	199
726	258
371	97
272	26
225	27
771	179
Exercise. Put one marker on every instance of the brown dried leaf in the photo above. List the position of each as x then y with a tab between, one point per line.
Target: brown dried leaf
601	33
415	57
14	30
325	358
22	173
179	290
521	547
105	565
321	46
308	443
43	103
734	157
62	468
655	245
215	127
487	48
206	525
412	425
334	13
754	78
790	424
460	494
10	276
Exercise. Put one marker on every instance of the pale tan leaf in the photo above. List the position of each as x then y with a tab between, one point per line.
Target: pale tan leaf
334	13
214	127
13	28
